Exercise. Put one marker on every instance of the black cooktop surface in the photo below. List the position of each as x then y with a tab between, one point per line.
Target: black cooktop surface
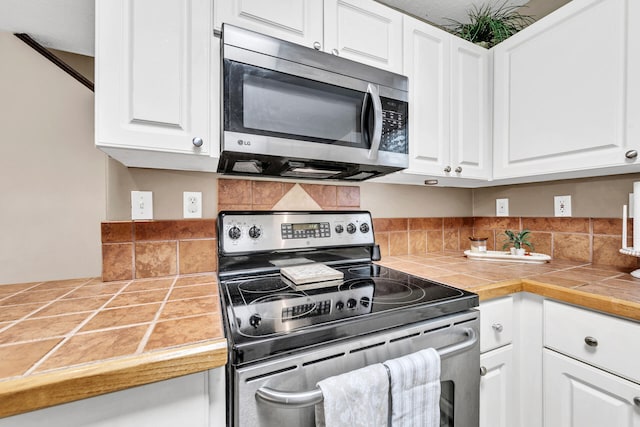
267	314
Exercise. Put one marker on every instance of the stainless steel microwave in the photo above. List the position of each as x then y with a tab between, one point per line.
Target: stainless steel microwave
296	112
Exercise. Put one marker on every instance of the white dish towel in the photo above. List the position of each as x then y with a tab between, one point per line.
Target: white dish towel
358	398
415	389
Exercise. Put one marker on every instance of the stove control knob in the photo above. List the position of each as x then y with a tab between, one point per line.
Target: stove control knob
351	303
234	233
351	228
364	227
339	305
365	301
339	228
255	320
255	232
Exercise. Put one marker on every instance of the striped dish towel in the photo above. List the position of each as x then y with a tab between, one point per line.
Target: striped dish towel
415	389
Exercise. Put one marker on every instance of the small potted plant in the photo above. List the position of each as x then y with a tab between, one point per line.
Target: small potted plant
491	24
516	241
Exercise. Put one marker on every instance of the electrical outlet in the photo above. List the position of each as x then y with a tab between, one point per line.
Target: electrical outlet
192	204
562	205
502	207
141	205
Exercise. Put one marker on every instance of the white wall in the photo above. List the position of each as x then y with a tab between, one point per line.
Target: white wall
52	186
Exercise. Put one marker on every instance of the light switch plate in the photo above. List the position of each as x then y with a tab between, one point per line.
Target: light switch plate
141	205
502	207
192	204
562	205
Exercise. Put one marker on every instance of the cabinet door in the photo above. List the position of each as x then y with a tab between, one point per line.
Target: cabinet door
297	21
560	93
152	75
427	52
364	31
579	395
496	388
633	78
182	401
471	113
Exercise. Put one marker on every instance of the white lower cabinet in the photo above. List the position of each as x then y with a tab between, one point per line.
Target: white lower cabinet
195	400
496	388
590	365
497	385
579	395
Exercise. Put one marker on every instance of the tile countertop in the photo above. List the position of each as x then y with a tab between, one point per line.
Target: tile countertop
605	288
66	340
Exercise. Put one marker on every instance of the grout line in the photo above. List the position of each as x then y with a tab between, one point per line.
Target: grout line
73	332
152	325
20	291
15	322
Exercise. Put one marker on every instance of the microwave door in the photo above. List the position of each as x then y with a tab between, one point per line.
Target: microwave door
371	121
260	102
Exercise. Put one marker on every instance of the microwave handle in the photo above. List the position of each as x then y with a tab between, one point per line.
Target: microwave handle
375	128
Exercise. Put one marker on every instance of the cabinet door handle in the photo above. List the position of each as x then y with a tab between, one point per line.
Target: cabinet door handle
197	141
631	154
636	400
447	169
591	341
483	372
317	45
335	52
459	169
497	327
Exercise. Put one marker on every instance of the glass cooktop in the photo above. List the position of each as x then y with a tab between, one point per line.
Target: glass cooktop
268	313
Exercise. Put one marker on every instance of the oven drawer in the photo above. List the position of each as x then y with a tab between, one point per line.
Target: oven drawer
496	323
598	339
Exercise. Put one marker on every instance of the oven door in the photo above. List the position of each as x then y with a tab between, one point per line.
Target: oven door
283	392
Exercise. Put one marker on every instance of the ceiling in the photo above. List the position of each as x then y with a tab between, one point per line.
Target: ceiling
68	25
441	12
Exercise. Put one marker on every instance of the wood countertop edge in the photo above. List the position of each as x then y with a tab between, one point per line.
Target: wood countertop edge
67	385
605	304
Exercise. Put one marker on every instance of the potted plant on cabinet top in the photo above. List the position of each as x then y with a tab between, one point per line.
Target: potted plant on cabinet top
491	24
516	241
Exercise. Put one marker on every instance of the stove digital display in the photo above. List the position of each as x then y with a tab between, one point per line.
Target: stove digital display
305	230
305	227
304	311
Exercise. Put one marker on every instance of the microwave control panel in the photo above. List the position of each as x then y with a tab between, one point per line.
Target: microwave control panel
394	126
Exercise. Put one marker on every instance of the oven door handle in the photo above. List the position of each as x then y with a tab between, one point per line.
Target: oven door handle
301	399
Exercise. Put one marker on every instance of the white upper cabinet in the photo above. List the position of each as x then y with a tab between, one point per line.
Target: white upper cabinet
471	127
561	92
633	75
153	76
449	103
297	21
427	51
364	31
361	30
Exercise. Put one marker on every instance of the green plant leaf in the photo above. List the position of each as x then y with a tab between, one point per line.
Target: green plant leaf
491	23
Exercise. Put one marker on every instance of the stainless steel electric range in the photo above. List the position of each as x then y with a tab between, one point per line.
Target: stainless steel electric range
286	332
